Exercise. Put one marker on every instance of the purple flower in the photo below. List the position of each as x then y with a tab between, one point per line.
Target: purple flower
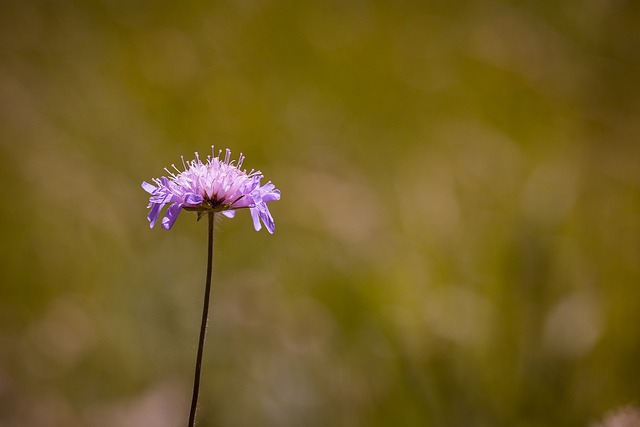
215	186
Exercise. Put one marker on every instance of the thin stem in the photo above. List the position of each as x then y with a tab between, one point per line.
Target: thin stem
203	325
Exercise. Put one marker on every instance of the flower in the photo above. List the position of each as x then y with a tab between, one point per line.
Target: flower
215	186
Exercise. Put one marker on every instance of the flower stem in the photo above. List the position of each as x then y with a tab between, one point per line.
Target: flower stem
203	324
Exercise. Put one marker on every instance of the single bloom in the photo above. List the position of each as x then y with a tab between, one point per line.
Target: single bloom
214	186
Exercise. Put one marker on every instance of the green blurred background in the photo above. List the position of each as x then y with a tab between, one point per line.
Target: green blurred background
457	244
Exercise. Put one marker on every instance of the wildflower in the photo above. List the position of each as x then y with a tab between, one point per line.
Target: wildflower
214	186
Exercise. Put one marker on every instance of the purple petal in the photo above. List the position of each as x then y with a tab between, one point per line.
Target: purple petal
271	196
246	201
229	213
256	218
153	214
193	199
149	188
171	216
266	217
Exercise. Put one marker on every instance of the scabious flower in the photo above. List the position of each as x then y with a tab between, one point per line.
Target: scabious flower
214	186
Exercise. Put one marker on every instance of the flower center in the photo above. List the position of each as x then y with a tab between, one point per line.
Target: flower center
214	203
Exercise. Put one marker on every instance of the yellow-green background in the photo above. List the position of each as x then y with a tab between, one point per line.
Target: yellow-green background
457	244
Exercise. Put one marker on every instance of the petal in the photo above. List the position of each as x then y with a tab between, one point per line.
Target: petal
193	199
149	188
153	213
229	214
171	216
245	201
266	217
233	188
271	196
256	218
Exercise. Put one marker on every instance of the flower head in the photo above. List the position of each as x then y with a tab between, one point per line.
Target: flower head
215	186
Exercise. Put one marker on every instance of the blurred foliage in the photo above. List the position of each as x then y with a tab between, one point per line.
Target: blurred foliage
458	241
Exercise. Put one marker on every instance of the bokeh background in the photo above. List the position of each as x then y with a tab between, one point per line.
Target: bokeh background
457	244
